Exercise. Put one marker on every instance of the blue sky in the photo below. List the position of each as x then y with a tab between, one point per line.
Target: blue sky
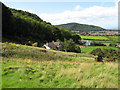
54	7
95	13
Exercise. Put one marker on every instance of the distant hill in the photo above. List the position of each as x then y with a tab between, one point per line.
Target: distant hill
24	27
80	27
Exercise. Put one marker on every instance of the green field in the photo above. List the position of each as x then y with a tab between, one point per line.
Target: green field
94	37
102	41
90	48
115	38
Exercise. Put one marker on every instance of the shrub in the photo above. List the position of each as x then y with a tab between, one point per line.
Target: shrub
35	44
97	44
112	44
77	49
107	54
96	51
29	43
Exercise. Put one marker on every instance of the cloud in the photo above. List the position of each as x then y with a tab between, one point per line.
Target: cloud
77	7
28	10
106	17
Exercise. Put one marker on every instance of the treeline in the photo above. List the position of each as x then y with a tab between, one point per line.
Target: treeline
21	27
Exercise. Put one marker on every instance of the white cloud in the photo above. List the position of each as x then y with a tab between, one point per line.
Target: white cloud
106	17
77	7
28	10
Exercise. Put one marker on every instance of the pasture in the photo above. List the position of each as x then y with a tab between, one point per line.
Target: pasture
94	37
91	48
115	38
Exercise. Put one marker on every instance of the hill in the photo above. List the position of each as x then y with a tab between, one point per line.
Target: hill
23	27
80	27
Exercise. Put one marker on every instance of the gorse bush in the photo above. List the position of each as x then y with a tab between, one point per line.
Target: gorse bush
106	54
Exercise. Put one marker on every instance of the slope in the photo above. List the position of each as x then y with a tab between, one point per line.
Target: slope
21	27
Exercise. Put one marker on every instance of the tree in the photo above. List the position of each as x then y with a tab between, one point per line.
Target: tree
76	38
70	46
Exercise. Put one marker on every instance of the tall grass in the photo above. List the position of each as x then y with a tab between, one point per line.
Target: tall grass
21	74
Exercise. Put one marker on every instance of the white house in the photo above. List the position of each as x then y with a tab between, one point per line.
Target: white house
86	42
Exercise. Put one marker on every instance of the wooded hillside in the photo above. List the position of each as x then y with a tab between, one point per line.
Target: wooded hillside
22	26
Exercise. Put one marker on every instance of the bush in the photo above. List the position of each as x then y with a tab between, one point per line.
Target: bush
112	44
107	54
96	51
29	43
77	49
97	44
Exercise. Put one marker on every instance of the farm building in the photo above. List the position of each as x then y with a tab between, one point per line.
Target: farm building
86	42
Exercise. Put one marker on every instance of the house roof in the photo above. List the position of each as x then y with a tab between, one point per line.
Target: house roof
56	43
53	43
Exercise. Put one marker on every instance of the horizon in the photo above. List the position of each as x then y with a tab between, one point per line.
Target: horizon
102	14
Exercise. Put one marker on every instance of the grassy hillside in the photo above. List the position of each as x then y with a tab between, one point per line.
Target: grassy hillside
33	67
79	27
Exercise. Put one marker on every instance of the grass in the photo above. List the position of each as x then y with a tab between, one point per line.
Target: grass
33	67
115	38
41	54
102	41
91	48
94	37
30	74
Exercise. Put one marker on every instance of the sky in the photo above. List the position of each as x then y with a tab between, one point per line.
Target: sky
96	12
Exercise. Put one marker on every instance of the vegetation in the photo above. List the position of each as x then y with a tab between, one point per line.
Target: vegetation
97	44
108	54
115	38
33	67
23	27
94	37
80	27
12	50
112	44
70	46
91	48
29	66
